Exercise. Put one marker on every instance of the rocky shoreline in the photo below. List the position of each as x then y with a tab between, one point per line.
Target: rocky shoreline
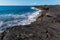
48	29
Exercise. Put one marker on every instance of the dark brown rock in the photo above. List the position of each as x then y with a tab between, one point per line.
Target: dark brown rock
48	29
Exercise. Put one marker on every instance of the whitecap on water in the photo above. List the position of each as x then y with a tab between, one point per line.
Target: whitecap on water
10	20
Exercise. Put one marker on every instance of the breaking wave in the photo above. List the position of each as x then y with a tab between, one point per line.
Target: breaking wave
10	20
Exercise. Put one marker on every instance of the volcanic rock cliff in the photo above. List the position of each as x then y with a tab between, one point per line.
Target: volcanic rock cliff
47	29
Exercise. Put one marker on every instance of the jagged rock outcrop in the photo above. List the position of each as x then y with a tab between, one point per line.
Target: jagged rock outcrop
48	29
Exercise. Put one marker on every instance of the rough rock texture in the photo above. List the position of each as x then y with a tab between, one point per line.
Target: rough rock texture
48	29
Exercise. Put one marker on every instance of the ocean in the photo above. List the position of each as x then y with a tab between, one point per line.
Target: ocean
17	15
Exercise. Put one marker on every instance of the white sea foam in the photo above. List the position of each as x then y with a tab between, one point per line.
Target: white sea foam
9	20
35	8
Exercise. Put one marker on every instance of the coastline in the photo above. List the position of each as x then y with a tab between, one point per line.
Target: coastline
48	29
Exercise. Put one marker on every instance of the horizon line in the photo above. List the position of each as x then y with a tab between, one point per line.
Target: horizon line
29	5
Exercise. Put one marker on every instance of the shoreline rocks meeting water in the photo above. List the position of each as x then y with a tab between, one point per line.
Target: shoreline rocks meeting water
47	29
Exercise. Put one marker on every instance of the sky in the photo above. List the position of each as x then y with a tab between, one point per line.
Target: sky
29	2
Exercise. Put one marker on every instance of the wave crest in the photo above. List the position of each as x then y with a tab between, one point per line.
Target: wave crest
10	20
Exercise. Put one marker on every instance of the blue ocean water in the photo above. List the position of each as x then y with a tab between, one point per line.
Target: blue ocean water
16	15
15	9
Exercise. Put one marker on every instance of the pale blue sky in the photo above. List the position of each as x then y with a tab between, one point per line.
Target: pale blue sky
28	2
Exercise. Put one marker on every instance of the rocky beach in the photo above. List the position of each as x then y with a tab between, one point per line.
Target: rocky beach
46	27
